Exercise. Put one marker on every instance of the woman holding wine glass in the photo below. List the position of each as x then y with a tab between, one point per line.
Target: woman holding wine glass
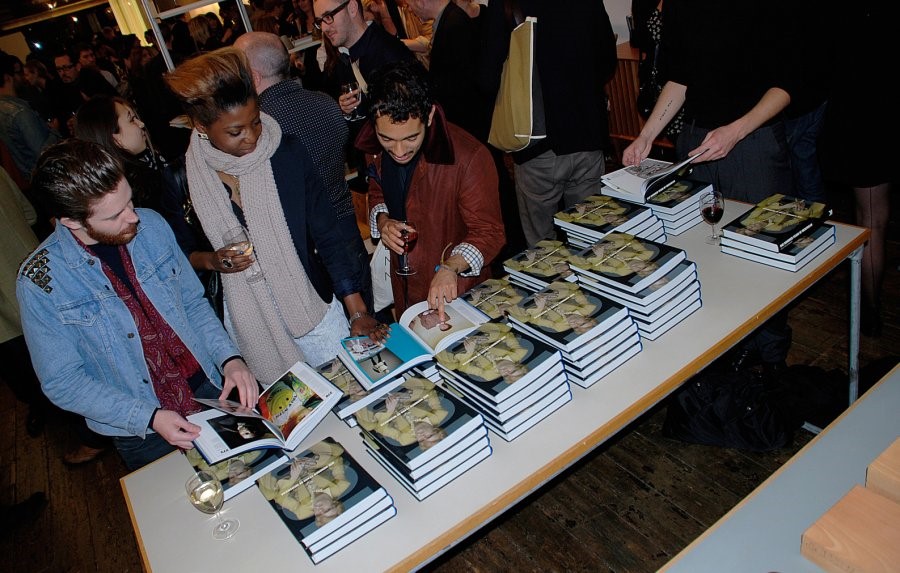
242	171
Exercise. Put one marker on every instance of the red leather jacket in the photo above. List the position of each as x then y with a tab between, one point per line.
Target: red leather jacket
452	198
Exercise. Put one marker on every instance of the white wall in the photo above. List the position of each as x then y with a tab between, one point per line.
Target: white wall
617	10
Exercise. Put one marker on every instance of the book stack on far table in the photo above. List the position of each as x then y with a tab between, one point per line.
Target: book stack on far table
656	282
590	220
780	231
594	335
423	435
325	498
536	268
512	379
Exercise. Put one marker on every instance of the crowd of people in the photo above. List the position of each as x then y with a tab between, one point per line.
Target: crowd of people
135	301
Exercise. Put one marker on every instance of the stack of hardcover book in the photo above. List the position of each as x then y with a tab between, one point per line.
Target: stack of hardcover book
423	435
536	268
663	187
594	335
512	379
656	282
780	231
590	220
326	498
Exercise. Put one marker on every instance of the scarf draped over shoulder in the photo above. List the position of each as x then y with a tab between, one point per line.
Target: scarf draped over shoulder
267	314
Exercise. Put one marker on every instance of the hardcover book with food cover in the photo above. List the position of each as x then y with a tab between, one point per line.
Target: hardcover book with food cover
776	222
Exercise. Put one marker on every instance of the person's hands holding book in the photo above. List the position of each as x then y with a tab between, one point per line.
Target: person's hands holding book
175	429
237	375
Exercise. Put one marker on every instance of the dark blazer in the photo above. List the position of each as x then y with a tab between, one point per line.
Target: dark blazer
454	66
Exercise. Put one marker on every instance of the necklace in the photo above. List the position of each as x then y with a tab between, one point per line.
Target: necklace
235	183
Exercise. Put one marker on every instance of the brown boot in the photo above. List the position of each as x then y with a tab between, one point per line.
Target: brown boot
82	455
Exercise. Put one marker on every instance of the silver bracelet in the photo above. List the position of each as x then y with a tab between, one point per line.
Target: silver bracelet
356	316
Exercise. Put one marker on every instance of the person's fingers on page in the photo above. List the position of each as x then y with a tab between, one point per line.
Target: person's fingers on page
175	429
237	375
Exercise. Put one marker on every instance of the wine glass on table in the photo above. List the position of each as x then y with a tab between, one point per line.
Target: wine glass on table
237	239
206	494
712	207
410	235
353	88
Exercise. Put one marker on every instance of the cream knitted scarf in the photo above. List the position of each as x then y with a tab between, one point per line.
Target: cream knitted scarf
268	314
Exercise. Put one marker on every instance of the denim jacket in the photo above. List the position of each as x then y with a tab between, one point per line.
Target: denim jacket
83	341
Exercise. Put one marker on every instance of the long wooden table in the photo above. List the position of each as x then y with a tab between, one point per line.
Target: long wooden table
738	296
762	533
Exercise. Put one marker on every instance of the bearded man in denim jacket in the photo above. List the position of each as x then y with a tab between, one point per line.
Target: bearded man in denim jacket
114	316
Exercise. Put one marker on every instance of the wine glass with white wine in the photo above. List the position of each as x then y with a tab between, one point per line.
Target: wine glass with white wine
237	239
206	493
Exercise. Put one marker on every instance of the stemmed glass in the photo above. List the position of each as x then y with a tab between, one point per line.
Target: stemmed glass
410	235
712	207
350	88
237	239
206	494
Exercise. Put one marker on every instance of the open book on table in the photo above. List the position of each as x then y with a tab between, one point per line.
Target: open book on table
286	412
415	339
636	183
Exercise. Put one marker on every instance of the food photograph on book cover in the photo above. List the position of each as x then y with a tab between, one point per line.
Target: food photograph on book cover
494	297
599	213
410	416
618	256
313	489
491	352
234	470
561	309
287	402
548	259
778	215
673	194
336	373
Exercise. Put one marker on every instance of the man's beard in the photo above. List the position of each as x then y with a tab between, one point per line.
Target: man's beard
122	238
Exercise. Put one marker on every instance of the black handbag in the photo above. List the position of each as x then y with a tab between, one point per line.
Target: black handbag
730	409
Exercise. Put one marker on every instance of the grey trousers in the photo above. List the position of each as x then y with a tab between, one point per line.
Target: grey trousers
544	181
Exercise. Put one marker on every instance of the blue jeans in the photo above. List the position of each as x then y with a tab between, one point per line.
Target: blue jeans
137	452
802	136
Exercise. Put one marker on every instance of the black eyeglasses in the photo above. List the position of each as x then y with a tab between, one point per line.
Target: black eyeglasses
65	68
328	17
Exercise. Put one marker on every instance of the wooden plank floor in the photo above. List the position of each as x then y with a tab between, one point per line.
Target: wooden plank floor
629	506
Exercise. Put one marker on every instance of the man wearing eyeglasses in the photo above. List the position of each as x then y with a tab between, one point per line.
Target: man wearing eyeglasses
78	85
364	47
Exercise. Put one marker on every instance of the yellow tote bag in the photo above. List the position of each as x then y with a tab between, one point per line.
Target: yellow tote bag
518	119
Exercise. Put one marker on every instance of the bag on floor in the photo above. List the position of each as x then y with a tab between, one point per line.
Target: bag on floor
730	409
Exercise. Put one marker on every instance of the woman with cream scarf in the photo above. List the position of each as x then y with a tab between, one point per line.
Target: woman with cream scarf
242	170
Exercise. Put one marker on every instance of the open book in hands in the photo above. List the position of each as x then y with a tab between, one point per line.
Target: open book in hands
636	183
286	413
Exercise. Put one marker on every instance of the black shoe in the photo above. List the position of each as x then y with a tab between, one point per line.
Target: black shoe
34	423
23	513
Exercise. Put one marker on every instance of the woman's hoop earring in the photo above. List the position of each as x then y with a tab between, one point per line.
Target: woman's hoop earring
202	136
